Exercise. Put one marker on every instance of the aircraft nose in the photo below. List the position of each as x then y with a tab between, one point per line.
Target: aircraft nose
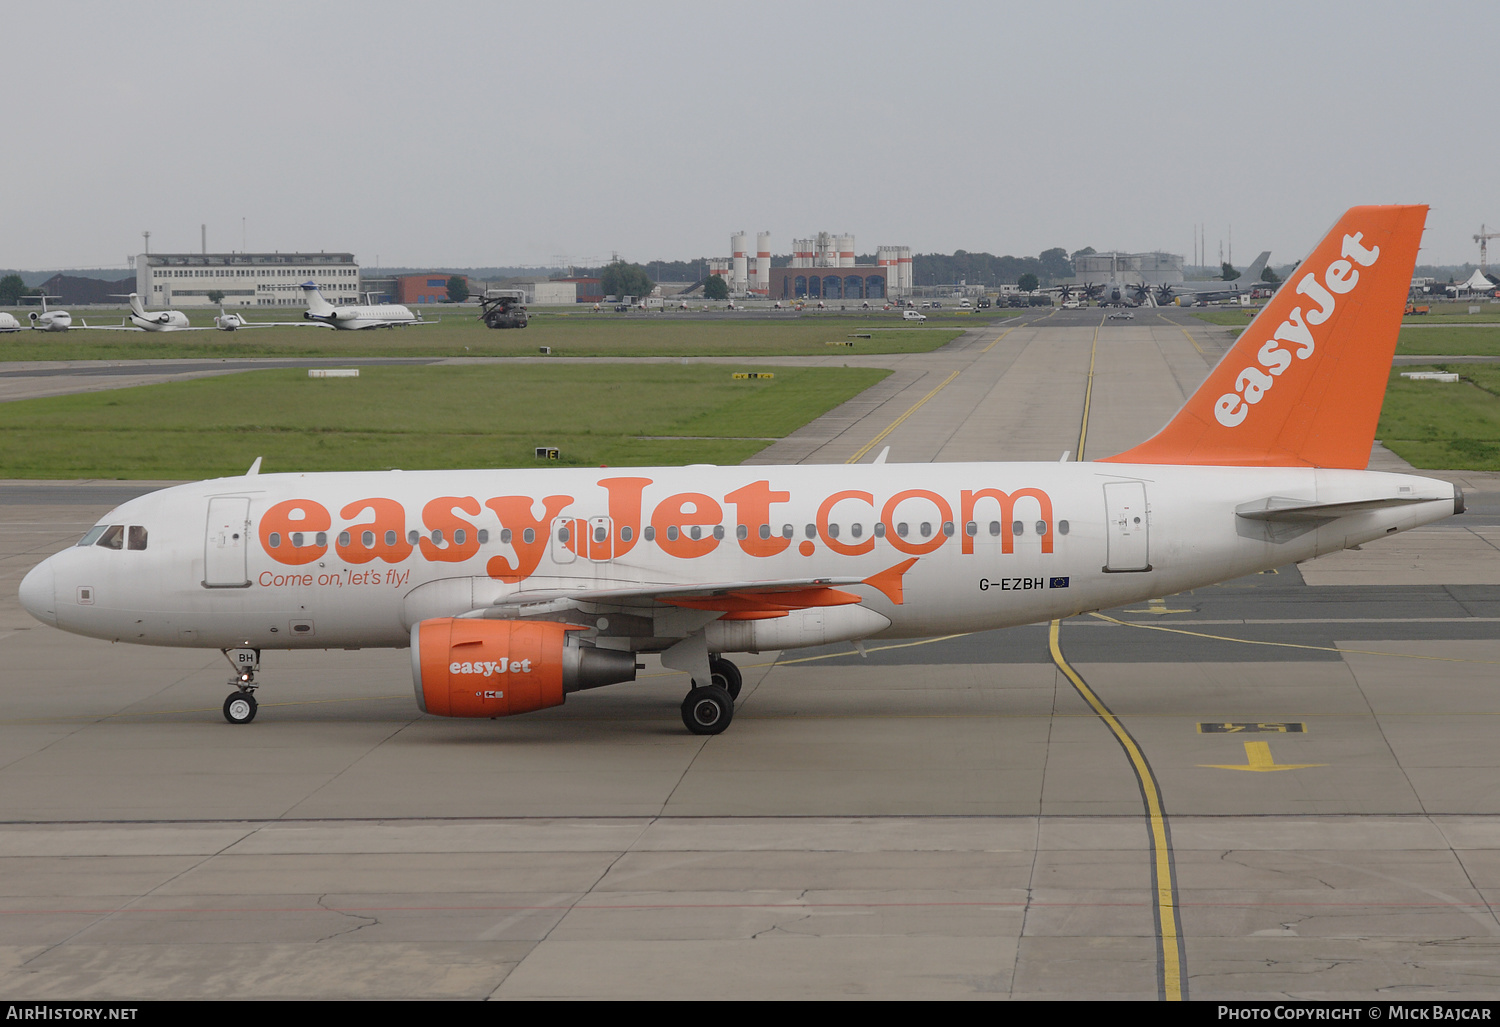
38	593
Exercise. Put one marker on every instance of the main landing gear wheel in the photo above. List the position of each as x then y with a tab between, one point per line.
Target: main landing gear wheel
240	708
707	710
726	675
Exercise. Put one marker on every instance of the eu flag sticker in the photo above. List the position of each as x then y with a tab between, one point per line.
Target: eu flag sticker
1057	582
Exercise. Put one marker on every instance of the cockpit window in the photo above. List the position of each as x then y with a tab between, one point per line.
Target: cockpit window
113	537
93	535
137	536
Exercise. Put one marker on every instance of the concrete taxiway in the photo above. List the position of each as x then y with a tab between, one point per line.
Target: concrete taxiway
946	818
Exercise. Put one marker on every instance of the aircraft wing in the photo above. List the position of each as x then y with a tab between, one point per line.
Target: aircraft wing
735	600
268	324
83	325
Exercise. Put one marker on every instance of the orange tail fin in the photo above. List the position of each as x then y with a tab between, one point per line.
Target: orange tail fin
1303	386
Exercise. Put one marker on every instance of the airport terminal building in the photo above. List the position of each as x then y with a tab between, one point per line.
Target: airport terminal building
245	279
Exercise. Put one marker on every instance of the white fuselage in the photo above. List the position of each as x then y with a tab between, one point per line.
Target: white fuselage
8	322
381	315
52	321
355	559
160	321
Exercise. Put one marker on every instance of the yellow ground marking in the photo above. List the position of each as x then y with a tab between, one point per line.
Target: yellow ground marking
1288	645
999	337
1184	331
1158	607
1173	962
1258	759
1088	392
1161	851
857	457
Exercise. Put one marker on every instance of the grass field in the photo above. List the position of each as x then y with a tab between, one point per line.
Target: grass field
1460	336
1450	341
459	333
1442	314
414	418
1443	425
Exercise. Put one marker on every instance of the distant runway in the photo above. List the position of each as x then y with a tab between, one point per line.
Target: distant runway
945	817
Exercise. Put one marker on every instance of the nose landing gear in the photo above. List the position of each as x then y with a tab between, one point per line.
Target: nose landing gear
240	707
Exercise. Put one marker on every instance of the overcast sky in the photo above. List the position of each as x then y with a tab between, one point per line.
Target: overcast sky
473	134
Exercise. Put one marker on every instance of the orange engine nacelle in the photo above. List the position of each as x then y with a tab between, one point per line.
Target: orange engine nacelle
496	668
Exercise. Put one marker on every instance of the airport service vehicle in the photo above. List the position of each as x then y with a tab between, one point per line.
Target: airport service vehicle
50	320
913	315
515	588
503	308
1413	308
8	322
1120	315
355	317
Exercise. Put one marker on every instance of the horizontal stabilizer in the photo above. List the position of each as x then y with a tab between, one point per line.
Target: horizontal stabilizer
1291	511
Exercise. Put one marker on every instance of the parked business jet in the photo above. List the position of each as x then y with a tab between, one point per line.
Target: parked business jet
379	315
513	588
234	322
50	320
8	322
141	320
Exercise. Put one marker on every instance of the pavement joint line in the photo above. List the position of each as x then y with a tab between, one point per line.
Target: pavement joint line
1289	645
615	718
1330	620
1171	957
859	455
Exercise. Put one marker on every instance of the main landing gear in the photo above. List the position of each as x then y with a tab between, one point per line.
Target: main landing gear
709	708
240	707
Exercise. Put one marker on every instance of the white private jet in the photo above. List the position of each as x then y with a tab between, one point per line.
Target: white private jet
50	320
513	588
141	320
8	322
225	322
379	315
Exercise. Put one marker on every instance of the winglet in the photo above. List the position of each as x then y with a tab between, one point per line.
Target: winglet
254	468
888	581
1303	385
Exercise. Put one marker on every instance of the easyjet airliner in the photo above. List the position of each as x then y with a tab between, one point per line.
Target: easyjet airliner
514	588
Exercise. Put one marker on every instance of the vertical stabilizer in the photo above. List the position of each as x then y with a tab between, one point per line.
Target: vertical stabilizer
1303	385
316	304
1251	277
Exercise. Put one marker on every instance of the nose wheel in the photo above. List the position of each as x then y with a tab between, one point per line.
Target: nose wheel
240	708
